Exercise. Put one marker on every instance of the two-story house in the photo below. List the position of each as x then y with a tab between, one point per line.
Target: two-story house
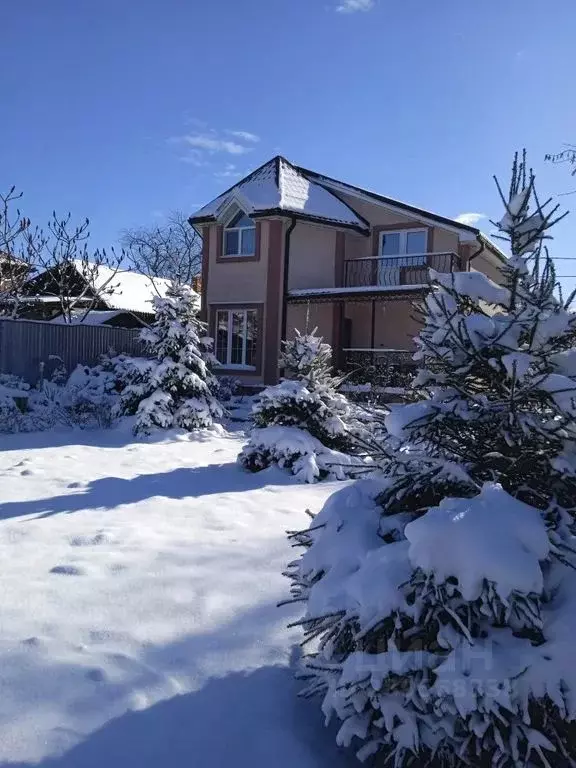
289	248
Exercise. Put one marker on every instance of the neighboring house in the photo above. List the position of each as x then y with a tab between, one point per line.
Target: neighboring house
12	271
288	248
126	301
115	318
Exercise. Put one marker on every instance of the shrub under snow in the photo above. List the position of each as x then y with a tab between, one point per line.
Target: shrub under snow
52	404
303	424
101	389
441	596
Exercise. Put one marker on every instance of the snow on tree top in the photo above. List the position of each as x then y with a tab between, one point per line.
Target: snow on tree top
475	285
491	536
359	575
280	185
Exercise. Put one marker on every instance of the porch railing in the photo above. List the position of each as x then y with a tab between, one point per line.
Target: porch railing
388	271
379	367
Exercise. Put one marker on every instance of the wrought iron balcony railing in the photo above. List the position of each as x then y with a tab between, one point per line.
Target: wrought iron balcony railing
380	367
398	270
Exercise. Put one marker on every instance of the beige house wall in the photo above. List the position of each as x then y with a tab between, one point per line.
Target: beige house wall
444	241
355	245
309	316
312	257
377	215
485	262
250	282
440	239
237	281
394	324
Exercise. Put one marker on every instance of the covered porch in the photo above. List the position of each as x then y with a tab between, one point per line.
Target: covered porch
371	334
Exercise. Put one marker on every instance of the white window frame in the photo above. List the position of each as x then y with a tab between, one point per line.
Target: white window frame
230	312
240	230
403	242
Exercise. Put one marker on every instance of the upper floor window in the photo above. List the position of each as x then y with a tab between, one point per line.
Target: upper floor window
240	236
405	242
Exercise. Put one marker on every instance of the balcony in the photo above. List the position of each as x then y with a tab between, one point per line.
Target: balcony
390	271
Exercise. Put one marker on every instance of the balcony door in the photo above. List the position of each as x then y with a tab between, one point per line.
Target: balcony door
403	248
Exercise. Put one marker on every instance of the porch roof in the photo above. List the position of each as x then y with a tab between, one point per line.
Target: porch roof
354	293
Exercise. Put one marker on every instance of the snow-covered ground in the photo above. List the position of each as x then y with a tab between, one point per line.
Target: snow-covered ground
138	618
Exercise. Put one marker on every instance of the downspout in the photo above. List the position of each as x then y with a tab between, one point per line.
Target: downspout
285	278
373	332
477	253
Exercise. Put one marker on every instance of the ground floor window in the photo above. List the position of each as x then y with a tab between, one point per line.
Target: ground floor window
236	337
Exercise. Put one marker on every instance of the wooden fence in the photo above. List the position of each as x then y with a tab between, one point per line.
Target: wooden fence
26	344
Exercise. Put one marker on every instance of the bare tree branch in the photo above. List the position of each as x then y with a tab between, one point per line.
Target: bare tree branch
77	279
172	250
567	155
16	256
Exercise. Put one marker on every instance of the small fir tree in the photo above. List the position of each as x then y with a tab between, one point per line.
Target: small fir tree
175	388
442	598
303	423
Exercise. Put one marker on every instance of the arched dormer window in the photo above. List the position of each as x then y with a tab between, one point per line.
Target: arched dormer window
239	236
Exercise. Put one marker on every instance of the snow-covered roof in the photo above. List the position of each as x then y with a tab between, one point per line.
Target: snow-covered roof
117	289
280	186
131	290
94	317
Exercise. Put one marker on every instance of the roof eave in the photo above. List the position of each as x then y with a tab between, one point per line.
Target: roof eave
285	213
199	220
492	247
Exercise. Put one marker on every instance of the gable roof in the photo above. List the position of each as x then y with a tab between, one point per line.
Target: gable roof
278	187
131	290
123	289
94	317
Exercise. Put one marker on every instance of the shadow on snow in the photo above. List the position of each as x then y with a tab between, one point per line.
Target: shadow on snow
184	482
246	720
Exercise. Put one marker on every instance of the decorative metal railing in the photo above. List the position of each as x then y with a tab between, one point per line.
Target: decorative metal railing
388	271
379	367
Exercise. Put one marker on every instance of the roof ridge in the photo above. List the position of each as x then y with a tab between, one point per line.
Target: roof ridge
283	160
350	208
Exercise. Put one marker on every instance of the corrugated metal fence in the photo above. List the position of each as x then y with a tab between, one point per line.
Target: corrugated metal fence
25	344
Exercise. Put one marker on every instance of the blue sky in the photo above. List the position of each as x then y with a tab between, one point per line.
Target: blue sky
121	111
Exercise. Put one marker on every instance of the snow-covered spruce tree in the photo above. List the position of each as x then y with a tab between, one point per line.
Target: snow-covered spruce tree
176	388
303	423
441	597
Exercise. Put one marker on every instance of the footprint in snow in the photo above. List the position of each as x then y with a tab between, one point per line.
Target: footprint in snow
106	636
89	541
76	484
67	570
26	472
117	567
96	675
31	642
